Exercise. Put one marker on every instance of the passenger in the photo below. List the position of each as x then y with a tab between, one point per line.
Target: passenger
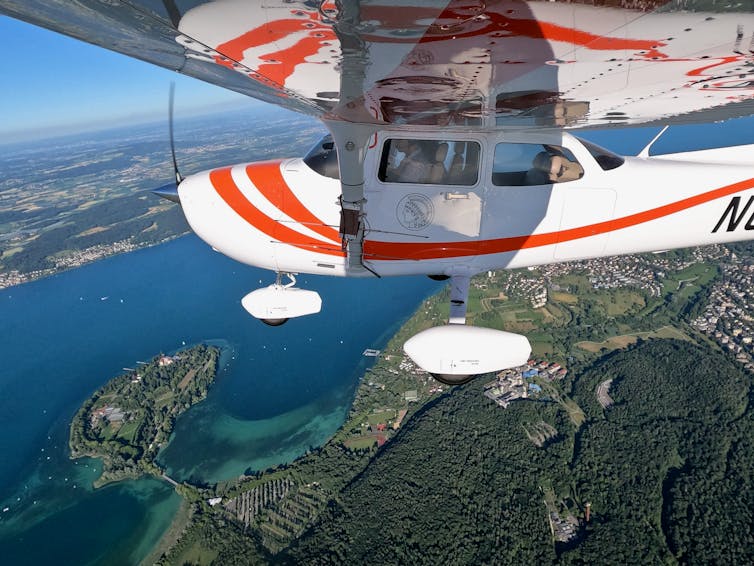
437	172
548	168
539	174
565	170
397	149
455	172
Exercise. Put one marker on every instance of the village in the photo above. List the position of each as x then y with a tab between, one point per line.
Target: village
519	382
68	260
727	317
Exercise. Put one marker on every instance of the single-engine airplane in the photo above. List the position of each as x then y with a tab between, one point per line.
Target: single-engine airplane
450	149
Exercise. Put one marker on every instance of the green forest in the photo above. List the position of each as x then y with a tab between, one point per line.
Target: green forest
668	470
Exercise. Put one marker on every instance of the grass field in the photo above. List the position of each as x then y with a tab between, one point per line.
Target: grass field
128	430
197	554
383	417
688	280
568	298
12	251
618	342
360	443
622	301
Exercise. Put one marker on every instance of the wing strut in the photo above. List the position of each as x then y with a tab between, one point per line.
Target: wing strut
351	141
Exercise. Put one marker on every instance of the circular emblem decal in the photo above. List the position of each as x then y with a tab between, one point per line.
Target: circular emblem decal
415	211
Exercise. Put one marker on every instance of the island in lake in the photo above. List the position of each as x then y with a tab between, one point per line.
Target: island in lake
126	421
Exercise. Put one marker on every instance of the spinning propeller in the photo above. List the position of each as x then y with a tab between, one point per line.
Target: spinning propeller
170	191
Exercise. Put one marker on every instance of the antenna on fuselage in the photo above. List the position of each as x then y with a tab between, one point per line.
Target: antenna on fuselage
645	152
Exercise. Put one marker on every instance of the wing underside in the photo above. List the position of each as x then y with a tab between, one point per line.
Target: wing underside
485	64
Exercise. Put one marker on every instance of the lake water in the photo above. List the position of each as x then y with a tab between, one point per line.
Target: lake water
281	391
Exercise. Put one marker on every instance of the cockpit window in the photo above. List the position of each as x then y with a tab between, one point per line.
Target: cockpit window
432	162
604	158
523	164
323	158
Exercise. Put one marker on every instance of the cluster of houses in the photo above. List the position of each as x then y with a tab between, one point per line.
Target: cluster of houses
616	272
108	413
80	257
73	259
518	383
532	289
15	277
640	271
727	318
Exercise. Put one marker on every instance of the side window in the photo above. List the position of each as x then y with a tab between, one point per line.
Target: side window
432	162
523	164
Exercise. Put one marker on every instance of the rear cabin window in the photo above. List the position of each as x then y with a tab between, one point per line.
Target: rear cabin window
430	162
525	164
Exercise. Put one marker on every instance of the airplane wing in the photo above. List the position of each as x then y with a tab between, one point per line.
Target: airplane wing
485	64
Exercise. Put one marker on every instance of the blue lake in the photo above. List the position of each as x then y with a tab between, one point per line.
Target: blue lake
281	391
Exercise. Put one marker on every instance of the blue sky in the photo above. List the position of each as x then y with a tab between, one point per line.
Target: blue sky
53	84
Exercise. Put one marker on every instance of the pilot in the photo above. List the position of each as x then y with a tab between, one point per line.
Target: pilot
548	168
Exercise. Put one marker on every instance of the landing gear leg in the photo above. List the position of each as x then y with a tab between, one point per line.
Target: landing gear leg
459	295
279	285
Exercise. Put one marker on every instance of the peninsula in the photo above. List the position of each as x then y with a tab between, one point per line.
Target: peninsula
126	421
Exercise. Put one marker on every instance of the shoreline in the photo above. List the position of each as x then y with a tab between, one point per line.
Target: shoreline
180	523
14	278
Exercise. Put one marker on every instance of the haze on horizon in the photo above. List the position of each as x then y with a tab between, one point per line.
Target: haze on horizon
58	86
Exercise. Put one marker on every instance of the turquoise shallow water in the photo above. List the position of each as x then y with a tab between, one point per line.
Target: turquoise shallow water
281	390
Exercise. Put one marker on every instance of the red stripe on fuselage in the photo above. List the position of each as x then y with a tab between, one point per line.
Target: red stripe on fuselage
375	250
225	186
268	179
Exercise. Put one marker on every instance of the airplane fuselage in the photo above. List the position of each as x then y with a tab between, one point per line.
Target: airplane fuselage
283	215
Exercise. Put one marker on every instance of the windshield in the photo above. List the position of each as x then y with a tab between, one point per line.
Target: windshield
323	158
606	159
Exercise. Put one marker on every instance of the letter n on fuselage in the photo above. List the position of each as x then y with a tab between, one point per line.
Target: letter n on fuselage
735	217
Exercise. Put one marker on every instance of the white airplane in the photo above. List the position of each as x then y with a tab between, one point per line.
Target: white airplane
450	150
